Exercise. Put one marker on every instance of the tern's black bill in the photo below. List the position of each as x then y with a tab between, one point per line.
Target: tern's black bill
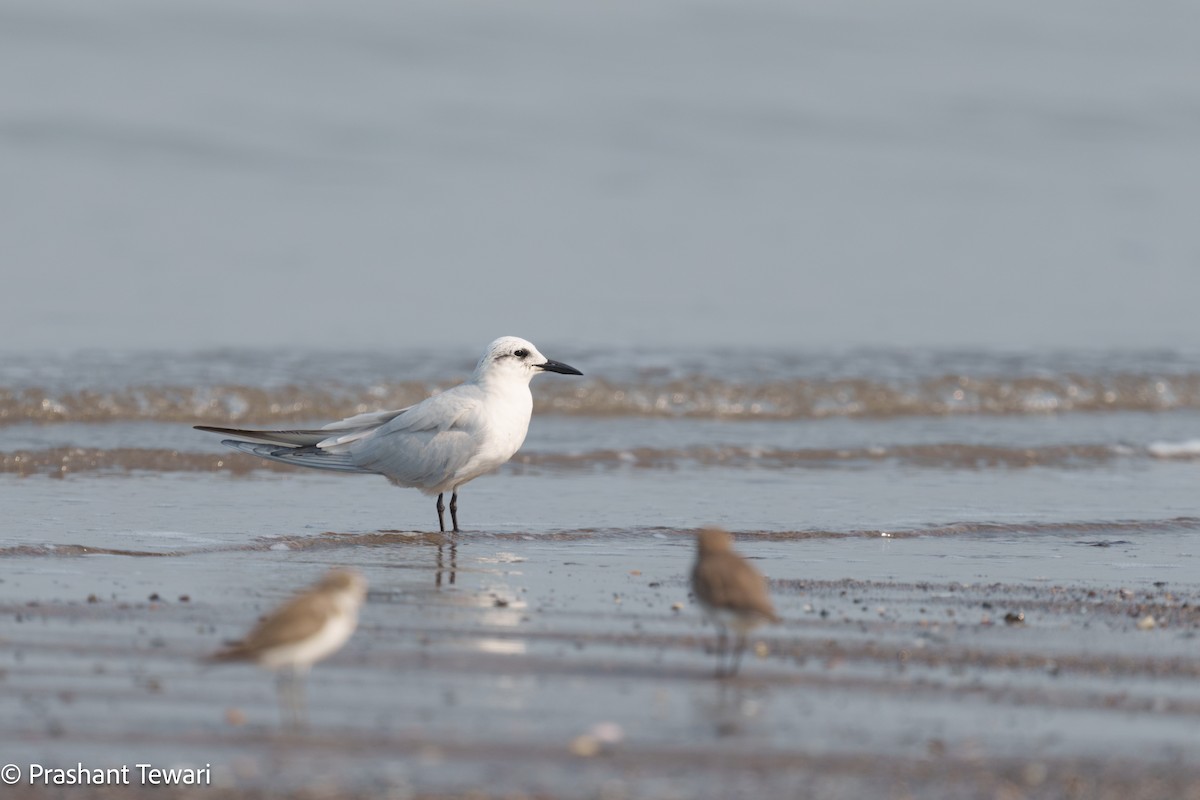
559	367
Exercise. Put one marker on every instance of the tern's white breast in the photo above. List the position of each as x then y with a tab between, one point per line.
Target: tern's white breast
498	428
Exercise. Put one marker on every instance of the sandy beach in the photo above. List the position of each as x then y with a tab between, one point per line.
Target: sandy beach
573	664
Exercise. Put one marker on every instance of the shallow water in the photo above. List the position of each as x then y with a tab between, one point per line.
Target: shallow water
896	543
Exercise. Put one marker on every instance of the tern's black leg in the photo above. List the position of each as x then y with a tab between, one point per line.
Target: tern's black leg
454	510
441	518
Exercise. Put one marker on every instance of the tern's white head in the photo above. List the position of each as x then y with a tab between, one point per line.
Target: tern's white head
513	358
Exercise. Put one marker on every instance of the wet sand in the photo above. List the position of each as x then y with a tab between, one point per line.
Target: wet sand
573	664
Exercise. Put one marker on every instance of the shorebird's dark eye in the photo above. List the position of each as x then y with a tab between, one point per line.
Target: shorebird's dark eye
522	353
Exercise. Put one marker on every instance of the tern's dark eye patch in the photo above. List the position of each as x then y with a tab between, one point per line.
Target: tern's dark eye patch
522	353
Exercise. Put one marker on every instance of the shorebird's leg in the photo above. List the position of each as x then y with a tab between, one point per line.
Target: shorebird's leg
281	696
300	687
291	702
454	509
737	656
281	691
722	644
441	518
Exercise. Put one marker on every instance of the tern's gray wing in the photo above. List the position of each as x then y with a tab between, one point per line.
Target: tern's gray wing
294	438
301	447
359	422
424	446
308	437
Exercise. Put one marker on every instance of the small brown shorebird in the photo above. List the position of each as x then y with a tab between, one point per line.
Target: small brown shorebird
731	591
304	630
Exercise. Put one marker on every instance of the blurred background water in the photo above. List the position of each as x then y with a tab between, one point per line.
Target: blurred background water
387	175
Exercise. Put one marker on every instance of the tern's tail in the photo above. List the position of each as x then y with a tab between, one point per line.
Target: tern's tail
288	447
310	456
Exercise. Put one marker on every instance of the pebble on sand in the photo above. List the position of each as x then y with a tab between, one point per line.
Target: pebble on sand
585	746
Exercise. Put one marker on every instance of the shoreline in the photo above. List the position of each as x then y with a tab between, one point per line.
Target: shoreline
522	667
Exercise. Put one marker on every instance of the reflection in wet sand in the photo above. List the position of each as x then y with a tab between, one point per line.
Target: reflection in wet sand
453	569
736	709
506	647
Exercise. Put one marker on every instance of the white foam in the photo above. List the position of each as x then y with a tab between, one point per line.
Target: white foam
1186	449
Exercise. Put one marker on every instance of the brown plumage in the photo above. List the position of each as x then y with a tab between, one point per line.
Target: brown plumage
730	590
304	630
